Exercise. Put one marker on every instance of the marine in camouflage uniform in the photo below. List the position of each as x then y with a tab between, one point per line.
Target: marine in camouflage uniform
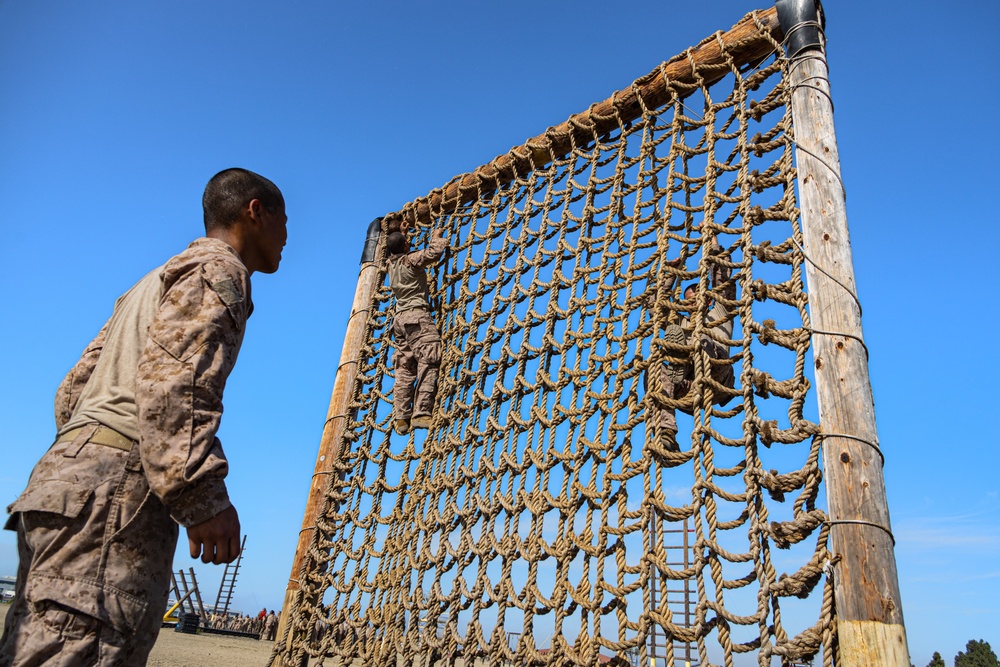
270	627
418	343
135	452
675	379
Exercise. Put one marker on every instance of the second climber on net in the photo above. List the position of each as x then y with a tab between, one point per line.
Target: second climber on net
418	343
676	377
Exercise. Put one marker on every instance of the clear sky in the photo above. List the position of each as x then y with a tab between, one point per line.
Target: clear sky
113	115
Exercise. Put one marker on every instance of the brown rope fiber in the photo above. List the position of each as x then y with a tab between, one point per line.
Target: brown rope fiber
544	518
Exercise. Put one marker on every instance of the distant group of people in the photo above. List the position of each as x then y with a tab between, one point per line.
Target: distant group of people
264	624
341	629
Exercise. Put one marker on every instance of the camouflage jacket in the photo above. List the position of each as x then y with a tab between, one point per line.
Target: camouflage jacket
718	318
195	314
407	277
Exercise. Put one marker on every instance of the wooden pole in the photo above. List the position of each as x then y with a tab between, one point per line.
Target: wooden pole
336	416
197	595
701	65
187	590
869	613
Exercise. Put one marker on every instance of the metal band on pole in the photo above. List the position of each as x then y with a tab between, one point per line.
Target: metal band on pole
869	614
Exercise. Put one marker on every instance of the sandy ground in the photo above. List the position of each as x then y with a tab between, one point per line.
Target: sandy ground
174	649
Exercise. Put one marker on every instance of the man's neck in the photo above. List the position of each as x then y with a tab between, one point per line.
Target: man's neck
232	237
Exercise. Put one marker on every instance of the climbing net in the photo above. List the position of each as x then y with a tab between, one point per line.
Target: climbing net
544	518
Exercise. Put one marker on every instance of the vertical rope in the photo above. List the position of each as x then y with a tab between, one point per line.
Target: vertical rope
542	499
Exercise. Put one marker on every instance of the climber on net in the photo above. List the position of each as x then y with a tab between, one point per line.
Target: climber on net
418	343
677	377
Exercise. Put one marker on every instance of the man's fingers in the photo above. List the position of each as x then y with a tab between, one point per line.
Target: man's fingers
224	550
220	550
234	548
216	540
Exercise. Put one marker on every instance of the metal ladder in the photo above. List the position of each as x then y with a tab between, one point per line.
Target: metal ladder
679	596
228	582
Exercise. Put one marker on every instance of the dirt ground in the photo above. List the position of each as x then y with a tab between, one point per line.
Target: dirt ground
174	649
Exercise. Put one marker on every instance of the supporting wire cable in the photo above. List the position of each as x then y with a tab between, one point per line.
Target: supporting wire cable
861	522
831	277
822	91
878	450
821	56
826	164
806	24
845	335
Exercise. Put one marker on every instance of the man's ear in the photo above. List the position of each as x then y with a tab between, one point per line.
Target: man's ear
254	209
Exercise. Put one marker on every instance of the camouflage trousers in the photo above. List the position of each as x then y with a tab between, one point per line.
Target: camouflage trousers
675	379
95	549
416	362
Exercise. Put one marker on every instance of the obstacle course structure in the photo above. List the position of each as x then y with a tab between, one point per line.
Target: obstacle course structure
541	503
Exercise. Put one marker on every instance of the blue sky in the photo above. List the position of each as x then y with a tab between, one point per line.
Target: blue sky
113	115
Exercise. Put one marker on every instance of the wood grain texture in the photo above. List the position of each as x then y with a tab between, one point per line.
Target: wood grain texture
870	643
865	580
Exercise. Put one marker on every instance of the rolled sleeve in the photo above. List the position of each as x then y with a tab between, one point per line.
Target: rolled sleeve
430	255
191	349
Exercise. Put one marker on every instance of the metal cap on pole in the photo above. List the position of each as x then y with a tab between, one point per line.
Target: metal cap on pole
371	241
868	611
802	23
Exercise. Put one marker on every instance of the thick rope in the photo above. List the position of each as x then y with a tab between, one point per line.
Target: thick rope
546	518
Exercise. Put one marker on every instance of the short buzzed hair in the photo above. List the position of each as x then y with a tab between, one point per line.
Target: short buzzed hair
229	191
395	243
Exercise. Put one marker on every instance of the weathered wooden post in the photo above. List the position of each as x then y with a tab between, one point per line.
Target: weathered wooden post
338	412
869	613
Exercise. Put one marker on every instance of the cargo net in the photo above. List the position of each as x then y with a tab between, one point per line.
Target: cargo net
545	518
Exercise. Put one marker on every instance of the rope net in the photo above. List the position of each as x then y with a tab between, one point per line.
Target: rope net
545	518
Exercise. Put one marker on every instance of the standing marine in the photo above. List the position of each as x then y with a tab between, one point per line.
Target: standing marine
135	453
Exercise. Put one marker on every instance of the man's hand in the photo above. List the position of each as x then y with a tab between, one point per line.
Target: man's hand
437	234
218	539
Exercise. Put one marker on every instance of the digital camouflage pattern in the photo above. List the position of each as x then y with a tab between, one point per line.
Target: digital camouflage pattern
675	379
416	362
97	525
407	277
418	343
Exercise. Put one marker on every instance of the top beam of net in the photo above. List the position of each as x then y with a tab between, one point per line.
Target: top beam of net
750	40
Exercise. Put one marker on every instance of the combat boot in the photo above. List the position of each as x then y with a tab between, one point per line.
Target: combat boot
423	421
673	372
